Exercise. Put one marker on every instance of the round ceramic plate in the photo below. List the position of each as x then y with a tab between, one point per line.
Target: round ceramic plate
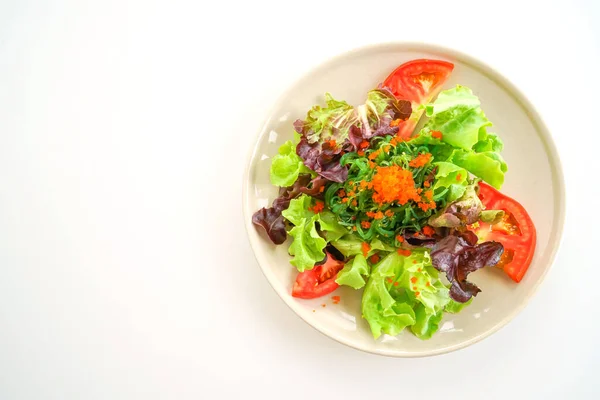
534	179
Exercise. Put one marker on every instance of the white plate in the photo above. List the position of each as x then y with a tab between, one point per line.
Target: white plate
534	179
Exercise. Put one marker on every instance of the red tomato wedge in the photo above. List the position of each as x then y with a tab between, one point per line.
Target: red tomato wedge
318	281
516	232
417	81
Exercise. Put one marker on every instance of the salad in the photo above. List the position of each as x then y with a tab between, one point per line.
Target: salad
402	215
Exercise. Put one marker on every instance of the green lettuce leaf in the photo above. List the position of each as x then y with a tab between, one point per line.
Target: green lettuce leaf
489	143
354	272
419	275
287	165
298	210
452	178
465	142
307	245
454	307
385	308
328	222
489	166
426	324
398	284
350	245
457	114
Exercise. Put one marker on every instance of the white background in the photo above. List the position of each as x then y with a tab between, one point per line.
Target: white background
125	272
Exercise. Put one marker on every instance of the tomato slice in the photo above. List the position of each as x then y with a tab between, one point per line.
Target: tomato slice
417	81
318	281
516	232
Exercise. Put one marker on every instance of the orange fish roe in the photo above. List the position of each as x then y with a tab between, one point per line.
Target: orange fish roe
397	139
389	280
389	213
318	207
336	299
417	293
428	231
365	247
321	189
394	184
436	135
332	143
354	228
351	193
374	154
374	258
375	215
386	148
354	203
345	200
459	177
372	165
395	122
360	153
414	261
428	284
400	238
363	145
429	195
341	193
426	183
404	252
365	224
420	160
413	279
426	206
395	283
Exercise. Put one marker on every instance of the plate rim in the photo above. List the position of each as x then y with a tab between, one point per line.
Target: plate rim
556	236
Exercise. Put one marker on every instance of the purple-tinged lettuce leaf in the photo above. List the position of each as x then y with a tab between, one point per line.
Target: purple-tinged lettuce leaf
457	256
328	132
271	220
464	211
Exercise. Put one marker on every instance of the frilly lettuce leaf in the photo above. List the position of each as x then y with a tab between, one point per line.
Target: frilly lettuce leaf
454	307
458	115
398	284
426	324
350	245
354	272
464	211
287	165
452	179
489	165
328	223
329	122
308	245
420	276
298	210
465	142
385	308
